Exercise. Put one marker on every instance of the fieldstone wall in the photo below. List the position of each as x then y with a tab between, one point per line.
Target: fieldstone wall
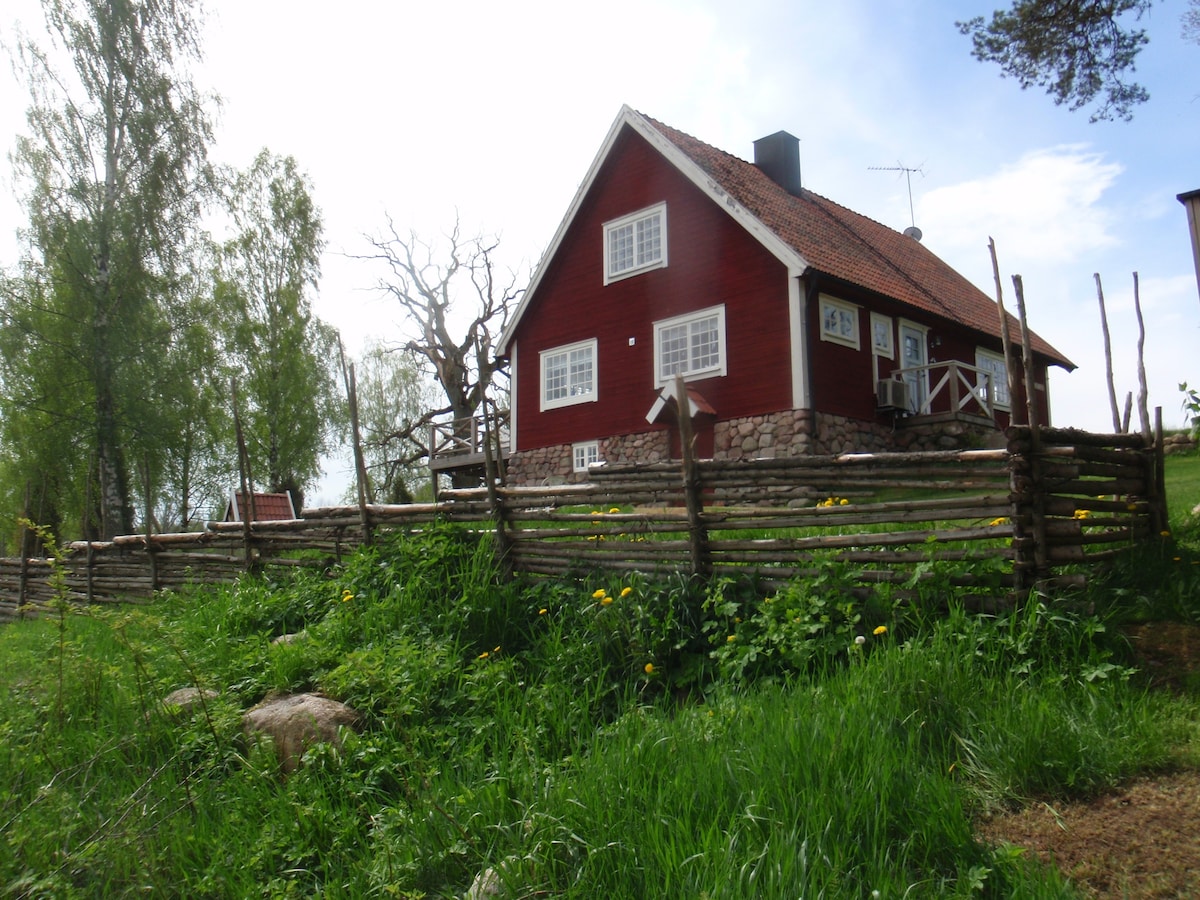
793	432
554	465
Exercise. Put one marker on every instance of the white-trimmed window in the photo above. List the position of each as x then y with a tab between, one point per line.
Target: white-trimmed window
635	243
883	342
585	455
839	322
569	374
691	345
993	364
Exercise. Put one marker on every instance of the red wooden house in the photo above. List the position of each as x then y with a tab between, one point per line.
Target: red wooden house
799	325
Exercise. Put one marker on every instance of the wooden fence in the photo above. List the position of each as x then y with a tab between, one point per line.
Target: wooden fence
1045	510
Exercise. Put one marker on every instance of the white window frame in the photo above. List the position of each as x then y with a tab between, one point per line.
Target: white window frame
584	455
846	313
999	378
712	370
886	350
632	221
571	398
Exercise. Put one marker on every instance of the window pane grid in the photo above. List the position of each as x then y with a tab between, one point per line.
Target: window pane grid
635	243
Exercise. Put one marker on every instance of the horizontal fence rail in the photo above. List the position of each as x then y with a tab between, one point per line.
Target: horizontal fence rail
1044	511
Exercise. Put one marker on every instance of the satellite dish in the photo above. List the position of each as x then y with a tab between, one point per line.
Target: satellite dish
913	232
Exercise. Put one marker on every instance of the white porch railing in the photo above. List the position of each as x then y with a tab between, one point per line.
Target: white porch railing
953	387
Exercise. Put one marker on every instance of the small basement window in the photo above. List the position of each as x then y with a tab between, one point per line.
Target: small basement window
585	455
635	243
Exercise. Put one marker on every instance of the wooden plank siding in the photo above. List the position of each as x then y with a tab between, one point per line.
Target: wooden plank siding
711	261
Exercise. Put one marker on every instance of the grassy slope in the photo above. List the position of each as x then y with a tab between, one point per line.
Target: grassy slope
663	743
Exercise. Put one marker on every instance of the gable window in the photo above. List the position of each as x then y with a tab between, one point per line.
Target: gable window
585	455
635	243
691	345
569	374
882	341
839	322
994	365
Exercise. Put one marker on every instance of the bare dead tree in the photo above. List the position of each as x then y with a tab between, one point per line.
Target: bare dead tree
438	288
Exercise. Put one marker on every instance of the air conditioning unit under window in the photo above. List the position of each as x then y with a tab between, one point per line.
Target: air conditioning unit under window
891	394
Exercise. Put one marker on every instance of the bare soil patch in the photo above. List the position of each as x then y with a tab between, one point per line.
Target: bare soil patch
1142	840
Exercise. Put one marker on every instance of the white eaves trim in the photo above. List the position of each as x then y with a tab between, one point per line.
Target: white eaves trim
780	249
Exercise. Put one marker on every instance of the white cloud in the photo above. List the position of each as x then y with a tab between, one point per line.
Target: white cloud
1045	208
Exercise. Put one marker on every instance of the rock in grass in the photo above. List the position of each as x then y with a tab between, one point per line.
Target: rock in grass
183	701
485	886
295	722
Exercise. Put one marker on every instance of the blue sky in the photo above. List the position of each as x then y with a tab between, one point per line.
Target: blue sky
493	112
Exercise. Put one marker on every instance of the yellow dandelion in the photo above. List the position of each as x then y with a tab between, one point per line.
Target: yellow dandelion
1000	521
843	502
483	655
615	509
543	611
495	649
648	668
598	593
1177	559
1132	507
731	639
880	630
1164	533
347	596
605	600
626	591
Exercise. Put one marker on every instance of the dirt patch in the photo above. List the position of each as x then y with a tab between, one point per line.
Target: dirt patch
1142	840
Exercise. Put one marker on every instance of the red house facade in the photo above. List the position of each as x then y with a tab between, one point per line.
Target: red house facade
798	325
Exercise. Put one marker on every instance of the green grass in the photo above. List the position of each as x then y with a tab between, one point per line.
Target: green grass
611	738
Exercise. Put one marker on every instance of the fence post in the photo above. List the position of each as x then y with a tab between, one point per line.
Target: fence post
360	466
491	475
1156	485
697	533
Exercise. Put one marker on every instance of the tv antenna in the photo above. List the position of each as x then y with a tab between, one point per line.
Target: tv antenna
912	231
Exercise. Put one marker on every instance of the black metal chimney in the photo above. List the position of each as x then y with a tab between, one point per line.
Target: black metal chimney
778	155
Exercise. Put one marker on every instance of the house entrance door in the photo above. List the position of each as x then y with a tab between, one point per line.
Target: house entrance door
913	356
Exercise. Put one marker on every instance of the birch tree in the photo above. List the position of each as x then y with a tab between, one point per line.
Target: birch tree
113	170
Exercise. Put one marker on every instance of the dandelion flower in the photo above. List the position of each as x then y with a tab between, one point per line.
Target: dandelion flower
496	650
859	641
880	630
347	596
615	509
543	611
1164	533
483	655
648	668
626	591
731	639
843	502
605	600
598	593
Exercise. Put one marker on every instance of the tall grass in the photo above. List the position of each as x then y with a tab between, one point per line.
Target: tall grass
596	739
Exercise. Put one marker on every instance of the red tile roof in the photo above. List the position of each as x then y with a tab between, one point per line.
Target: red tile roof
267	507
846	245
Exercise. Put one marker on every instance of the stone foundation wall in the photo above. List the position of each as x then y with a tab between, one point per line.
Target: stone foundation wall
793	432
554	465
